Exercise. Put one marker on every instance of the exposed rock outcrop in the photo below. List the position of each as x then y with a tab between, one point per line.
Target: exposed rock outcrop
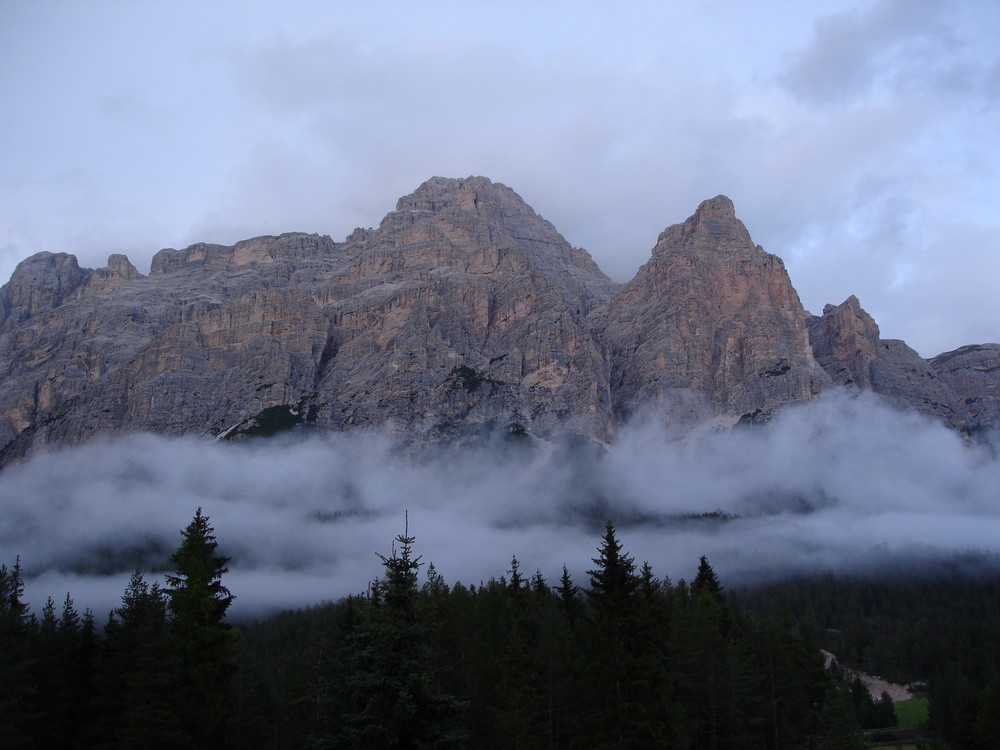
846	343
711	324
463	310
973	374
39	284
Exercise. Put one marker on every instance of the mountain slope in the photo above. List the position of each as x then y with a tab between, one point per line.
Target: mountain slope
711	324
463	310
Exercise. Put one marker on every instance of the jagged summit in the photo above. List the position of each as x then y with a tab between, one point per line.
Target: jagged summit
710	324
468	194
477	200
484	227
712	228
463	310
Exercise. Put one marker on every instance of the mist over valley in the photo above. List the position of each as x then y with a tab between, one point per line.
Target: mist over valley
844	483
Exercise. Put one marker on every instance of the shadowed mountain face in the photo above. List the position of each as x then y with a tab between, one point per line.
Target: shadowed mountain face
464	310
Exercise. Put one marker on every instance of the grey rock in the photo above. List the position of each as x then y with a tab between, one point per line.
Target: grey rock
709	326
463	311
847	344
973	374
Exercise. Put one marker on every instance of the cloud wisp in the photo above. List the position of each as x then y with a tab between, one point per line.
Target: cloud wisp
843	483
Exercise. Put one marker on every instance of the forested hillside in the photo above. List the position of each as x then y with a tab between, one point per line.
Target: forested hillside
625	659
939	627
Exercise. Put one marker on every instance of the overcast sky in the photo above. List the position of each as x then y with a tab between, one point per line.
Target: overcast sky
859	140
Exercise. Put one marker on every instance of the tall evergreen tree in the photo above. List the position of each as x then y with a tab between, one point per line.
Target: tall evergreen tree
393	701
705	580
206	644
612	645
518	711
15	667
137	684
59	676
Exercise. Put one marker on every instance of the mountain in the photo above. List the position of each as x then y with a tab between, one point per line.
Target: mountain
463	311
709	326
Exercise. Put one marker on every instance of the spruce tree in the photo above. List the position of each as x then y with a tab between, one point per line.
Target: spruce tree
143	687
197	597
52	658
612	643
517	708
15	667
705	580
393	699
206	644
569	597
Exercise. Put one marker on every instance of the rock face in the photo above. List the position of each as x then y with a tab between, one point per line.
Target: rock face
973	374
846	343
463	310
710	325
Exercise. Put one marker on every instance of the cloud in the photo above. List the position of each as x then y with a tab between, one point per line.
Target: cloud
195	123
841	483
852	53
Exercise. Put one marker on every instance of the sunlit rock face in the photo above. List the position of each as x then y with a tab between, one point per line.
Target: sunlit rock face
710	323
464	309
463	312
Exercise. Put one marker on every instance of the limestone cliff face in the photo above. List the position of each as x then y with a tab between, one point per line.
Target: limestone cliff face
463	310
973	374
847	344
845	341
710	325
466	308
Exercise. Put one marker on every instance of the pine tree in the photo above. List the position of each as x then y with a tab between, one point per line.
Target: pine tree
53	659
394	702
651	711
706	580
137	694
206	644
15	666
517	708
612	644
197	597
709	631
569	597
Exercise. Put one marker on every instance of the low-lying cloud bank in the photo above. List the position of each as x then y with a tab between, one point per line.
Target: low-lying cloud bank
841	483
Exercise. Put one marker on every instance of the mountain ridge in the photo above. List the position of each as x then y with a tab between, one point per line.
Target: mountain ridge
463	310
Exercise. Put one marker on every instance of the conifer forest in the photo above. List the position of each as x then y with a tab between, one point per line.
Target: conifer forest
623	659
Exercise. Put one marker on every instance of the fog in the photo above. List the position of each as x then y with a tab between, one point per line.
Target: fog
842	483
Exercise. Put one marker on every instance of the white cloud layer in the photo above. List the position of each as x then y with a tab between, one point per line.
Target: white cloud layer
841	483
857	138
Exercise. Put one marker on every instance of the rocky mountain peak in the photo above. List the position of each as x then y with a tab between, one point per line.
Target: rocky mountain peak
712	228
847	344
711	324
464	310
714	213
442	193
845	341
38	284
490	209
120	265
476	226
972	372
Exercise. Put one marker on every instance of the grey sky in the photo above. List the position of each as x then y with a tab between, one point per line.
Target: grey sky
860	141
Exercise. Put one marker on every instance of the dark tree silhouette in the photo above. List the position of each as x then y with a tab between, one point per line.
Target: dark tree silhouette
206	644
